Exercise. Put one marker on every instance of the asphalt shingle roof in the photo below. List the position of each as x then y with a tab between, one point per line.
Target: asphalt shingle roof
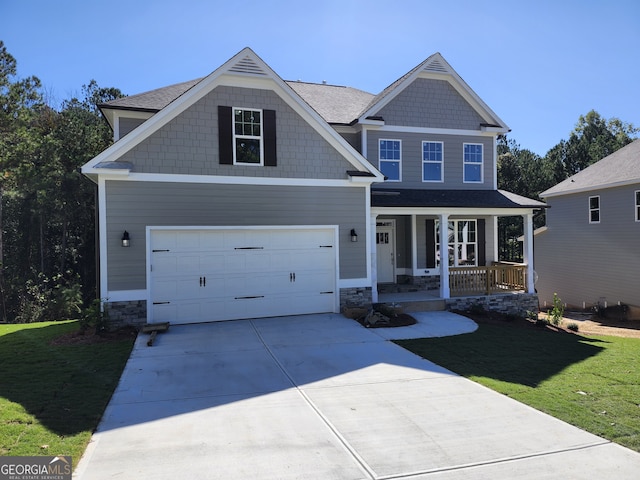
334	103
622	166
154	100
451	198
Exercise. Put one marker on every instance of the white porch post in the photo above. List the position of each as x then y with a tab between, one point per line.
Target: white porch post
374	259
527	250
444	256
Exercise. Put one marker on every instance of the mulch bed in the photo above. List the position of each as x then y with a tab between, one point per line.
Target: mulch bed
399	320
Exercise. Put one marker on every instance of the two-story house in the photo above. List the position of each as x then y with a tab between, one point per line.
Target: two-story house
242	195
588	252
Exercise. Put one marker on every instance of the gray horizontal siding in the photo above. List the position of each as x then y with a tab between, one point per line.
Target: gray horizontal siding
452	163
188	144
133	206
432	104
584	262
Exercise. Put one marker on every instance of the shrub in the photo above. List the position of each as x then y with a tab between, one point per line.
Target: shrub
557	312
573	327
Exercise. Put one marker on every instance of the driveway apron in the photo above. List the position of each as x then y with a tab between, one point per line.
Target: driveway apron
320	397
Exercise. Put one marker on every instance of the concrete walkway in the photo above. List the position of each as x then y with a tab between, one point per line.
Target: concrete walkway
320	397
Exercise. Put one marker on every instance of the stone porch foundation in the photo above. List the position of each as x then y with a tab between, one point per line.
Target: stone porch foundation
509	303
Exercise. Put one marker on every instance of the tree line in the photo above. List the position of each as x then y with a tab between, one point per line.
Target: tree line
523	172
48	264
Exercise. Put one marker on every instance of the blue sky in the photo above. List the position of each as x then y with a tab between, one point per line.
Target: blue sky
538	64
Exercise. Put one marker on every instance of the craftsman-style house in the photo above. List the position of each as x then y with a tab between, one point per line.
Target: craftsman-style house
242	195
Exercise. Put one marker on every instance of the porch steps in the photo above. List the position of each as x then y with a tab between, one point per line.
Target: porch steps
413	301
423	306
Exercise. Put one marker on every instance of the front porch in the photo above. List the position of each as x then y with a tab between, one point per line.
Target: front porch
468	290
499	287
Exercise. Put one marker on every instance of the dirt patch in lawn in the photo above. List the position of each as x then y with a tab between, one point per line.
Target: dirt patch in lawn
588	323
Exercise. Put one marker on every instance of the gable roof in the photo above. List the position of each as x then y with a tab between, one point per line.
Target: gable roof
336	104
620	168
244	69
436	67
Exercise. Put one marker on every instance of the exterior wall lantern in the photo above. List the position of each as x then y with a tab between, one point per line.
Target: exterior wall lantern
125	239
354	235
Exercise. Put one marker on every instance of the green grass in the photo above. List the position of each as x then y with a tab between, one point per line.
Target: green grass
590	382
52	397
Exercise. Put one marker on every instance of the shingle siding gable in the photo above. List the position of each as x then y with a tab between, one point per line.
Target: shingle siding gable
189	144
430	103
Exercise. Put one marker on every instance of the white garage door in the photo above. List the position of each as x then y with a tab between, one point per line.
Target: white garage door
207	275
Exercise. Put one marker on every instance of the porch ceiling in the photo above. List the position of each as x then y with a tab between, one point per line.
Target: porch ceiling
451	199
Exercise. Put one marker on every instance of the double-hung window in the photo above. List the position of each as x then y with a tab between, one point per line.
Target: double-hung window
462	248
432	154
247	136
594	209
390	158
637	205
473	162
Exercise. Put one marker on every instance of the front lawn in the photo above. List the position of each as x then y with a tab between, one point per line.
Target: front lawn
590	382
52	396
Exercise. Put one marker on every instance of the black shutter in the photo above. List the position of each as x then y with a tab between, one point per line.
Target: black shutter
225	135
269	127
482	240
431	243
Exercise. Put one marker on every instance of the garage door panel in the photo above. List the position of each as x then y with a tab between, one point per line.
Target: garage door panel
206	275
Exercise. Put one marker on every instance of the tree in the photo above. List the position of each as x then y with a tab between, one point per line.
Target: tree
592	139
20	100
47	219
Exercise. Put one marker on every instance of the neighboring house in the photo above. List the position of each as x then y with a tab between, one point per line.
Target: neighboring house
589	251
241	195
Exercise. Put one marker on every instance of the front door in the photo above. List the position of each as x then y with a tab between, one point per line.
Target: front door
385	254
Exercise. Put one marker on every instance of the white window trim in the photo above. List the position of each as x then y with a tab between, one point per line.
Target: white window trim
250	137
456	243
636	201
380	140
464	163
441	162
594	209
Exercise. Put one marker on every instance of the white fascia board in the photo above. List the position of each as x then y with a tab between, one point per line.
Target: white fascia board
435	131
234	180
453	211
363	180
371	123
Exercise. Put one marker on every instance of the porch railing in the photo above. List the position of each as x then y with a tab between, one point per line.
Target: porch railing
497	278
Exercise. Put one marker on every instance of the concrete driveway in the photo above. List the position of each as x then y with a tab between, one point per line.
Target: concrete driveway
320	397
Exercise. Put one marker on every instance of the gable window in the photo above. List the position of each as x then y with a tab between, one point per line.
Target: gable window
247	136
594	209
473	162
637	205
432	170
462	248
390	158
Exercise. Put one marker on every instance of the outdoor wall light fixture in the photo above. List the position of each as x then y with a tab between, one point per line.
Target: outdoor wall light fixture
125	239
354	235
